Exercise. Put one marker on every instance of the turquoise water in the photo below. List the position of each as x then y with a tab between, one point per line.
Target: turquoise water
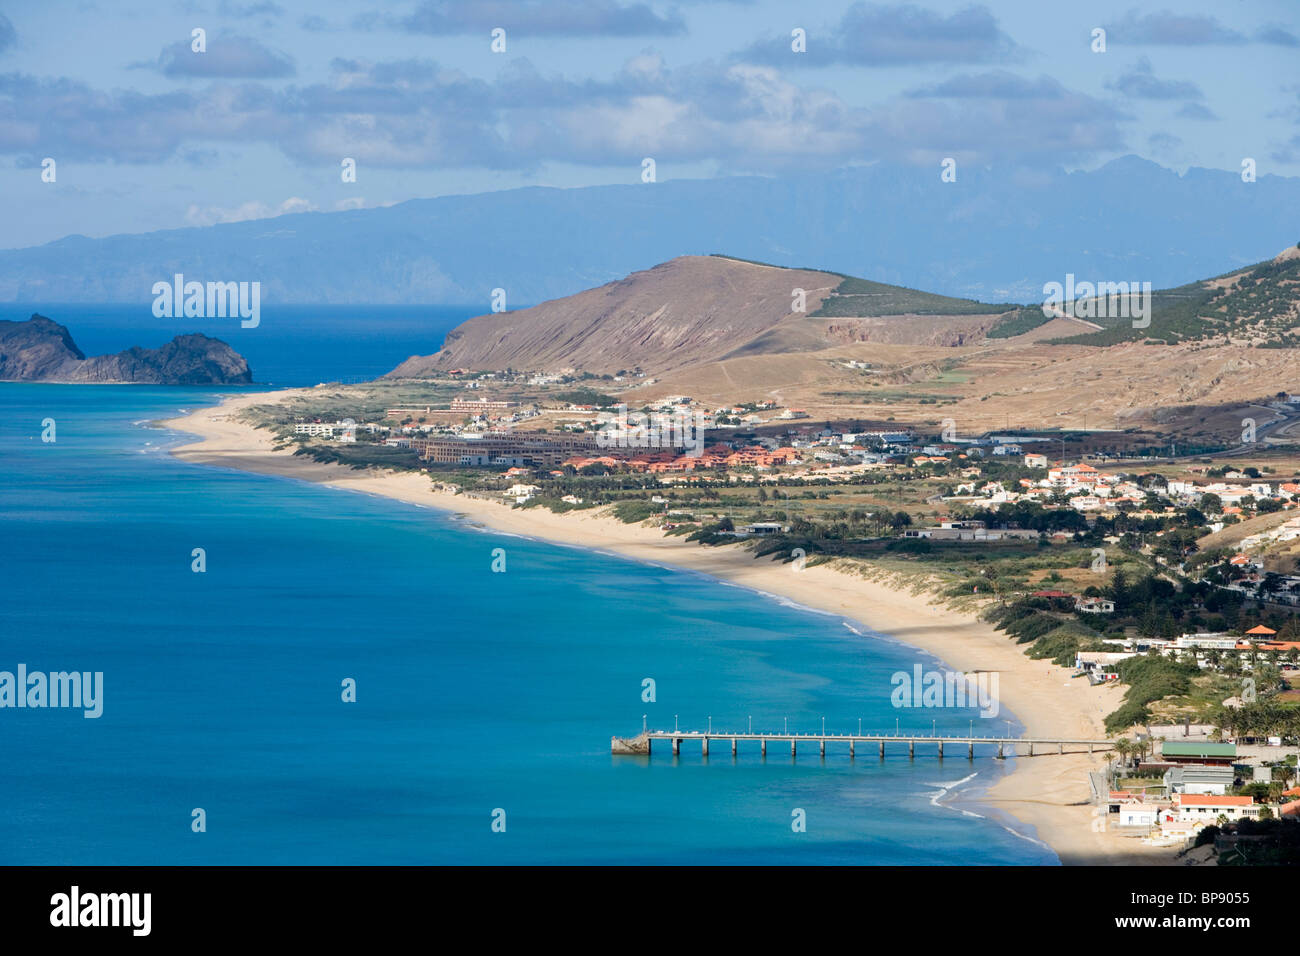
475	690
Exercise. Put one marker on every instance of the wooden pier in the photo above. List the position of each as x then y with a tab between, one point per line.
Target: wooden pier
643	744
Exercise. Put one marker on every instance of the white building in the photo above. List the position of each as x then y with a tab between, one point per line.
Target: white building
1094	606
521	493
1138	815
1200	780
314	429
1208	807
1100	660
1206	640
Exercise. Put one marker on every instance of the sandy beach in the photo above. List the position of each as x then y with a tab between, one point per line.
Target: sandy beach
1048	792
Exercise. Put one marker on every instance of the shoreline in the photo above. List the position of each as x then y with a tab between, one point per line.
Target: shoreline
1048	793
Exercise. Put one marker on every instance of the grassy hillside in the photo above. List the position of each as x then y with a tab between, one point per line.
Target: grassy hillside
1019	322
1259	306
867	299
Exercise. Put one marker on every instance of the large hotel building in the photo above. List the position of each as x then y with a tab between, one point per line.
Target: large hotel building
534	449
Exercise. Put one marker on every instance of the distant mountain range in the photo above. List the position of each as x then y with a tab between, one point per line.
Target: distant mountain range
41	350
995	235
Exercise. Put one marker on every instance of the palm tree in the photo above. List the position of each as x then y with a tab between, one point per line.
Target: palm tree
1123	747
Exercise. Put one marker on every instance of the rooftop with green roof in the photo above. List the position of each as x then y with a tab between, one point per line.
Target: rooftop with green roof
1169	749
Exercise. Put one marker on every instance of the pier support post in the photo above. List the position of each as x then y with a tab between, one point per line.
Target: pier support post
1090	750
941	750
970	750
677	746
1060	748
850	748
882	750
1031	750
911	749
1001	753
792	747
762	745
823	746
733	746
704	746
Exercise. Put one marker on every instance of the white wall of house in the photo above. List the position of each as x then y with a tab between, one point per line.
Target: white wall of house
1137	816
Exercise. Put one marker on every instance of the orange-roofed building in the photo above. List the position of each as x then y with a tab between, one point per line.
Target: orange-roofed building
579	462
1279	646
1208	806
1072	475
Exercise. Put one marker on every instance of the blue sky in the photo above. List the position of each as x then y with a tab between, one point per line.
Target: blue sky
147	134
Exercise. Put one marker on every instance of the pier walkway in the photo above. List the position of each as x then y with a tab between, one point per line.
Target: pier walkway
643	743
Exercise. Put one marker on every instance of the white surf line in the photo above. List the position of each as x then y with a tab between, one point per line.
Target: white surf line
945	789
1028	839
936	798
780	599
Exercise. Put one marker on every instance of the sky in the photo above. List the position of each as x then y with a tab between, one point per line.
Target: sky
148	133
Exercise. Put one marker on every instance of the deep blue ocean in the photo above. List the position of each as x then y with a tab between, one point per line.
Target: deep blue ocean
476	691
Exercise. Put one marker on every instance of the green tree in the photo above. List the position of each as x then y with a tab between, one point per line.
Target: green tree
1119	590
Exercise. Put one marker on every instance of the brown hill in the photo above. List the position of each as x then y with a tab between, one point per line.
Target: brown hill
688	310
695	310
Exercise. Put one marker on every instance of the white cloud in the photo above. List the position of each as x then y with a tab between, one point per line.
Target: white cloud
253	209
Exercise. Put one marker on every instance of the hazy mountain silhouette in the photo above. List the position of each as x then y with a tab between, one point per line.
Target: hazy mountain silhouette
995	235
